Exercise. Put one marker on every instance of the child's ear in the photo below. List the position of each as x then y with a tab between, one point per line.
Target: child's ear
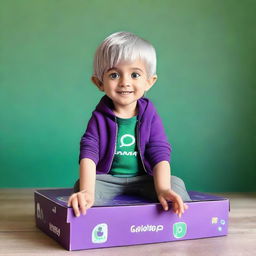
151	81
97	82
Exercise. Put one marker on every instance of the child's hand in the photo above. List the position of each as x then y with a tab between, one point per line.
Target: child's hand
82	200
169	195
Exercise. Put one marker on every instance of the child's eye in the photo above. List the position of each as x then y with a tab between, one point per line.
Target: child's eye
135	75
114	75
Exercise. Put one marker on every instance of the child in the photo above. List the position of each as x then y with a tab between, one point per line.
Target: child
124	148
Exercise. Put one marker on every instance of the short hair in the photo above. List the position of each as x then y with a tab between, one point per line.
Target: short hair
123	46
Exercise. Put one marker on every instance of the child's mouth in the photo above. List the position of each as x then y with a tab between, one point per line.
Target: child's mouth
125	92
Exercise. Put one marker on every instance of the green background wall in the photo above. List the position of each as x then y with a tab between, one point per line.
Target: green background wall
205	93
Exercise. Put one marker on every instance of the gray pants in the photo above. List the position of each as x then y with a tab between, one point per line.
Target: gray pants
108	186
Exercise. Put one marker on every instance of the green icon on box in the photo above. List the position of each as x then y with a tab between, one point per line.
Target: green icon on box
179	229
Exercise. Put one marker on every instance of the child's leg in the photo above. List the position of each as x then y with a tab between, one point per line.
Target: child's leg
178	185
106	188
148	189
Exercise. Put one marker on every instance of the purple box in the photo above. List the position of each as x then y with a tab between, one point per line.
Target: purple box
128	220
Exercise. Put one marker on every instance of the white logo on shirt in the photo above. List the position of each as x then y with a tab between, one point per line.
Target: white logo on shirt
125	153
123	144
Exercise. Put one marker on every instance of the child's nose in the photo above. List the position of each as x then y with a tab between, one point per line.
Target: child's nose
124	81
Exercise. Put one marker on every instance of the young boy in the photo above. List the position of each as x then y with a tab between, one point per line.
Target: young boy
124	148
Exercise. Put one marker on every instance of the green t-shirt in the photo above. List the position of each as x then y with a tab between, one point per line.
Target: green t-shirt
126	162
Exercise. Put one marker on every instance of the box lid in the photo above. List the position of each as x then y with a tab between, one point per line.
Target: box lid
60	196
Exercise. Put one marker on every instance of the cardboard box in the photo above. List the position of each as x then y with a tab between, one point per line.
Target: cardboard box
128	220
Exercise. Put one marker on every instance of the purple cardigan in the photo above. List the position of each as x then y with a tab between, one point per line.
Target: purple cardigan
98	141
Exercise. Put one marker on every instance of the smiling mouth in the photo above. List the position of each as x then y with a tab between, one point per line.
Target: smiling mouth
125	92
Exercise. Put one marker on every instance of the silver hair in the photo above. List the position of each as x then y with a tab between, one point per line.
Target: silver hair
123	46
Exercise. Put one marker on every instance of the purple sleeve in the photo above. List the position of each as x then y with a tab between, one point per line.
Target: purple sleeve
158	148
89	144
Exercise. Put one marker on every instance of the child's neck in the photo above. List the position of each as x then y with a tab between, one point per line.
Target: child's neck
125	112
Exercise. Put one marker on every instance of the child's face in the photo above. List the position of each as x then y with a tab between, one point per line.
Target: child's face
126	83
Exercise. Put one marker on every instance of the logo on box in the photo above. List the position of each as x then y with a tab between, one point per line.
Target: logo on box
179	229
39	212
100	233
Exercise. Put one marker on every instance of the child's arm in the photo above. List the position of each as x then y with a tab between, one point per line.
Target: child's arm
84	199
162	177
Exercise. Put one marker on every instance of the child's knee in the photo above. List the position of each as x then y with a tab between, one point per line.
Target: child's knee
178	185
177	181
